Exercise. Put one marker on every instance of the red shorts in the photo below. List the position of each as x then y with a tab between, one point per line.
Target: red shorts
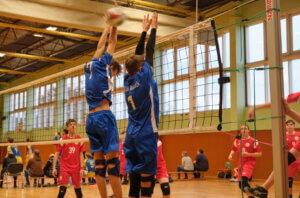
122	170
247	170
293	167
161	172
297	146
65	175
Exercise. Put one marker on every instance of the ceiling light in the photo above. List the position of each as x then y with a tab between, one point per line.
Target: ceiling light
2	55
37	35
51	28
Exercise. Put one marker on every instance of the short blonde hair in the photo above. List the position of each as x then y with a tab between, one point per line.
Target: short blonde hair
185	153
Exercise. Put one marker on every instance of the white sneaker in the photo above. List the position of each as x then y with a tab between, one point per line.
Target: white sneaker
233	179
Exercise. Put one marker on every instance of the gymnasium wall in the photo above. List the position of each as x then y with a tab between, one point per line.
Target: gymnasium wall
216	146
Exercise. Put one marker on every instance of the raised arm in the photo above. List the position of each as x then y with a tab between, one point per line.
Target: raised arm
102	41
151	41
141	44
112	41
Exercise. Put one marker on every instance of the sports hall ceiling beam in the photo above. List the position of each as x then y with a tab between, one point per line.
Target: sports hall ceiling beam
30	56
15	72
49	32
85	15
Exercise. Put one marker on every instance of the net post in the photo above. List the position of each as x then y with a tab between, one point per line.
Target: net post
192	76
276	87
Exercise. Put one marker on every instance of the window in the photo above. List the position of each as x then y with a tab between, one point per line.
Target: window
296	32
17	111
44	105
255	47
75	106
182	61
120	79
119	107
283	35
168	64
208	93
211	52
261	80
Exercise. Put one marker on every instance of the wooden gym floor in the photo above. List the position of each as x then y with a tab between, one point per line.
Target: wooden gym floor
208	188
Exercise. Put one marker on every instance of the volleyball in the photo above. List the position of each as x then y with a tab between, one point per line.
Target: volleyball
115	16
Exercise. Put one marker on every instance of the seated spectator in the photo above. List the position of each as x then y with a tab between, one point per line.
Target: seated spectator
48	168
8	160
200	163
34	168
186	165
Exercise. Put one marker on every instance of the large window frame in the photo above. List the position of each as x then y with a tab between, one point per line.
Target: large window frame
44	103
289	56
17	111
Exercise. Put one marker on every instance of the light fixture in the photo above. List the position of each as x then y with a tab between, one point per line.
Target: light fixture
2	55
51	28
37	35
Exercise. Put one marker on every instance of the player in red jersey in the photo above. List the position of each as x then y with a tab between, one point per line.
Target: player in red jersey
162	172
250	151
122	163
293	153
71	161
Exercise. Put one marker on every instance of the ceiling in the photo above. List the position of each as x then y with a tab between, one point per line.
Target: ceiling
25	34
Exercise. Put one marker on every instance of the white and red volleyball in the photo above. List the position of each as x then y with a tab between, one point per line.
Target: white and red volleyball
115	16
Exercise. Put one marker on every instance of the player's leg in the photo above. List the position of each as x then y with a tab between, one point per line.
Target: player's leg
165	187
63	183
100	172
147	185
76	178
113	170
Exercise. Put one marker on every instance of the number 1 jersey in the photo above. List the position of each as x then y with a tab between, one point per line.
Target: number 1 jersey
142	101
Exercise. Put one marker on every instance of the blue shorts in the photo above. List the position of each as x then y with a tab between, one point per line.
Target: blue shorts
141	153
101	128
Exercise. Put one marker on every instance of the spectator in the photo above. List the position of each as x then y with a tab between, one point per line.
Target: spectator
90	168
123	174
57	136
8	160
200	163
48	168
187	165
34	168
29	151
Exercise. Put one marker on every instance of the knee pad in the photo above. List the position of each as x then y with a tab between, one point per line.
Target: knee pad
291	182
291	158
116	169
100	171
165	188
62	191
78	192
135	185
147	191
244	183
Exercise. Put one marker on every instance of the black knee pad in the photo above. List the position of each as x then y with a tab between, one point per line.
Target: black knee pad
165	188
291	182
291	158
147	191
135	185
116	169
78	192
62	191
100	171
244	183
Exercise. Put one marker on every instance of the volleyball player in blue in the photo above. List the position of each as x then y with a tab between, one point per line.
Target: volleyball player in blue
101	125
140	146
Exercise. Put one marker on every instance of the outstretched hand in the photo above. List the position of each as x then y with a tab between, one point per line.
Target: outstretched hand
154	20
146	23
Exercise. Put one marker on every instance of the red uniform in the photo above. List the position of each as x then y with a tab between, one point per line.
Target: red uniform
162	171
291	141
294	98
70	161
248	162
122	159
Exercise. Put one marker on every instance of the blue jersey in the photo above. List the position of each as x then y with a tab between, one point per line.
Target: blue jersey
90	164
142	101
98	81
